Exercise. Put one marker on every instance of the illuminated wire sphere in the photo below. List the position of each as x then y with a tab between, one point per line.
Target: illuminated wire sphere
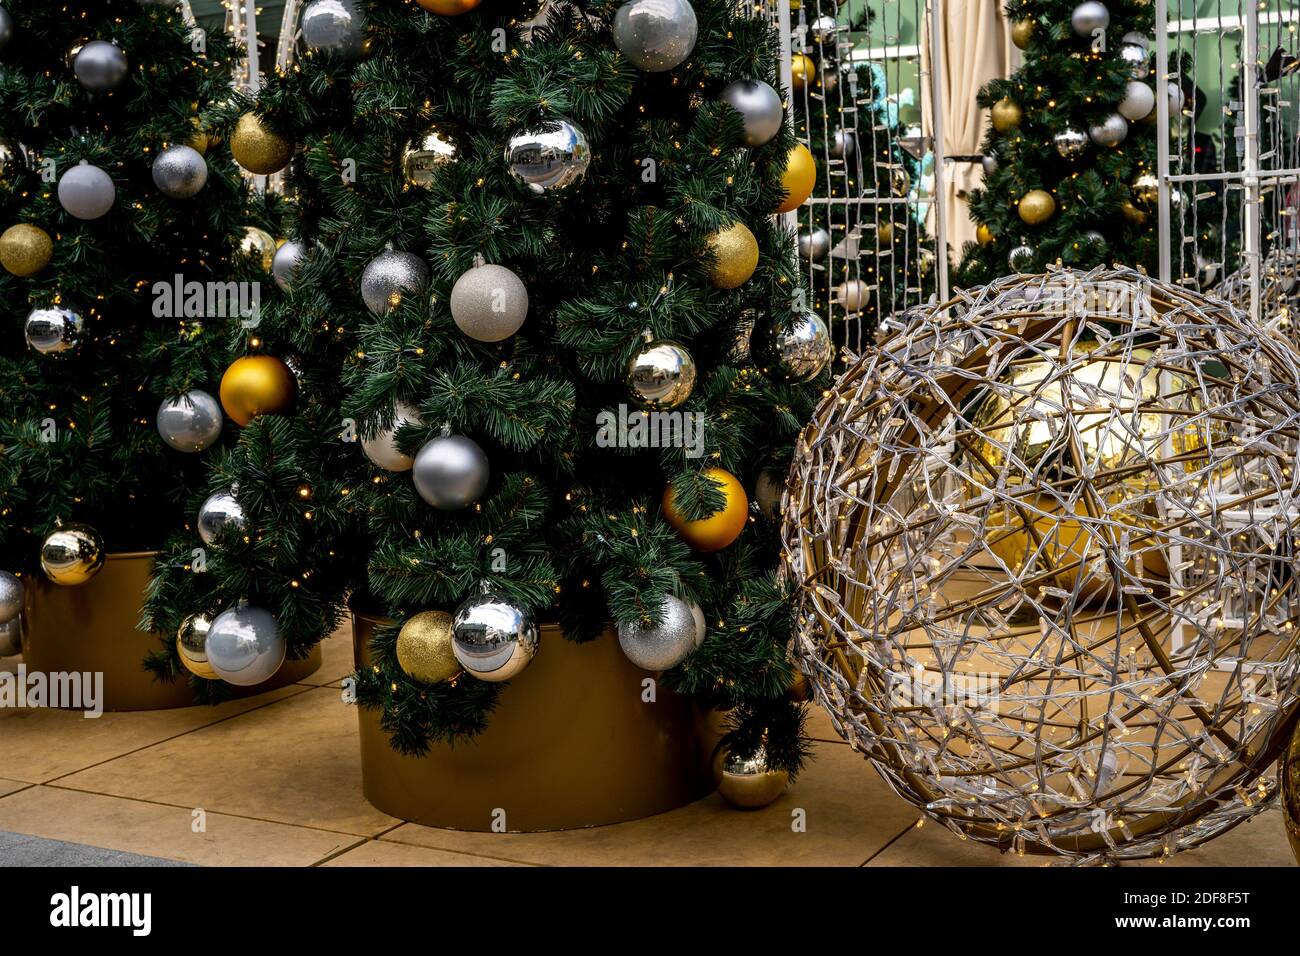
1045	539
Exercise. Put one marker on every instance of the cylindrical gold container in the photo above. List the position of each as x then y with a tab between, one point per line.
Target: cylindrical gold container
92	628
572	743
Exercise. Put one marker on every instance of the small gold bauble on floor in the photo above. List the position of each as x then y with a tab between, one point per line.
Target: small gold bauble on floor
747	783
735	256
1289	779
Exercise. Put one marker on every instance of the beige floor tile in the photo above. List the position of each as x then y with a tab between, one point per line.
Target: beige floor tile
375	853
336	659
38	746
11	786
932	845
819	726
146	828
849	814
296	761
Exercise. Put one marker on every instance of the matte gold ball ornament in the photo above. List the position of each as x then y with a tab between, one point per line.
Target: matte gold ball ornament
424	648
747	782
72	554
803	72
1036	207
25	249
735	256
799	178
1022	31
1006	115
259	149
715	532
257	385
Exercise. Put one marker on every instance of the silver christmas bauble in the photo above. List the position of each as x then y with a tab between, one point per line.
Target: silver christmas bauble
1070	142
748	783
382	448
425	155
190	422
1137	39
1136	58
493	638
1176	101
244	646
13	157
389	276
285	263
853	295
489	303
86	191
701	625
72	554
11	597
843	144
191	645
1089	17
100	66
1021	258
335	28
655	35
791	349
659	647
549	158
450	472
6	30
11	638
661	375
759	107
1139	99
1110	131
1146	190
814	245
824	30
53	330
180	172
220	510
989	164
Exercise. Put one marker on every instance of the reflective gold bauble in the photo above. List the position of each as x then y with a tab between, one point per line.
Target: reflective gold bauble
747	783
1022	31
1290	781
191	641
1036	206
449	8
1007	115
72	554
1146	190
424	156
1132	213
25	249
424	648
735	256
799	177
803	72
983	234
259	149
720	528
259	244
257	385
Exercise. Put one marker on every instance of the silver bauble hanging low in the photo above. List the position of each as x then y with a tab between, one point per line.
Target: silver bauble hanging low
1070	143
759	107
1110	131
1021	258
100	66
814	245
335	28
791	348
11	597
190	422
493	638
1089	17
220	510
989	164
53	330
1091	237
489	303
550	158
661	375
284	265
86	191
382	448
1138	102
659	647
1137	59
450	472
244	646
655	35
843	144
389	277
180	171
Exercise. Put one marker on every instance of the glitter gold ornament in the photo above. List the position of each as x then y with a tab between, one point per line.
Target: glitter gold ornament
257	385
1007	115
1036	206
719	529
1022	31
424	648
735	256
803	72
983	234
449	8
259	149
799	177
25	249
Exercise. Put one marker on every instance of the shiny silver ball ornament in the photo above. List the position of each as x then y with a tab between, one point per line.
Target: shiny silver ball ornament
549	159
389	277
1138	102
53	330
11	638
1137	59
1070	143
335	28
450	472
100	66
382	448
853	295
1137	39
813	246
13	157
661	375
759	107
748	783
843	144
1110	131
6	28
1090	17
493	638
1021	259
220	510
285	263
489	303
191	645
1093	238
791	349
989	164
1176	101
180	172
825	30
244	646
86	191
655	35
662	646
190	422
11	597
425	155
72	554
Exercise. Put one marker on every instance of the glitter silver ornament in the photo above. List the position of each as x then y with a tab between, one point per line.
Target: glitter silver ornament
853	295
1021	258
814	245
661	375
655	35
759	107
335	28
11	638
382	448
1139	100
550	158
180	172
100	66
244	646
11	597
6	28
1137	59
450	472
190	422
53	330
219	511
86	191
914	141
72	554
989	164
493	638
1110	131
843	144
791	349
1070	143
1090	17
425	155
659	647
489	303
389	276
285	263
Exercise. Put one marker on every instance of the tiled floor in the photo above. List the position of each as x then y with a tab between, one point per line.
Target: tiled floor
275	780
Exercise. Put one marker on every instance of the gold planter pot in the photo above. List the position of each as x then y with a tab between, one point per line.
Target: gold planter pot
92	628
570	744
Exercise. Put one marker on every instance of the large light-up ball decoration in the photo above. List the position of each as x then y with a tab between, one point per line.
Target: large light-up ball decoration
1045	540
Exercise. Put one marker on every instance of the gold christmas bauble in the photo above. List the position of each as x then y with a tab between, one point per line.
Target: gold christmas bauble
25	249
191	646
1289	777
72	554
424	650
1022	31
257	385
983	234
1132	213
424	155
799	177
1036	206
885	235
735	256
1007	115
259	244
1146	189
747	783
803	72
449	8
259	149
720	528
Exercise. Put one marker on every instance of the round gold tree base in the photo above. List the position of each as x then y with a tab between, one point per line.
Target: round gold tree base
92	628
572	743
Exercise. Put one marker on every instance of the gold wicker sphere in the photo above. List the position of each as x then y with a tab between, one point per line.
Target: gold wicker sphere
1047	546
